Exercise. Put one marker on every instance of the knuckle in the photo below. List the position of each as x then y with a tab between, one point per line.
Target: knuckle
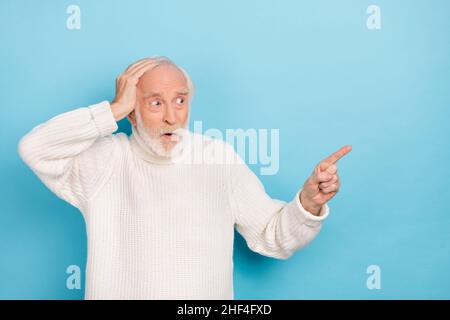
332	169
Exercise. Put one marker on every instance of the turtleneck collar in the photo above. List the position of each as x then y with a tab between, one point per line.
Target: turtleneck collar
140	149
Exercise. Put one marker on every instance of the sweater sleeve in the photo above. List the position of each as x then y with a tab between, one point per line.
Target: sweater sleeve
270	227
71	153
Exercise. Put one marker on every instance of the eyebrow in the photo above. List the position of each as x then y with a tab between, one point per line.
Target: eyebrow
158	94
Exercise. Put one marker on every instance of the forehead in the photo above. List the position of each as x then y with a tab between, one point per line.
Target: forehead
163	77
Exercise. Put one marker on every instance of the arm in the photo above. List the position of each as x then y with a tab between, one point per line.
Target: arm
71	153
270	227
74	153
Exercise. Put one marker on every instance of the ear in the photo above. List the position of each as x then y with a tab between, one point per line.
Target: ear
132	118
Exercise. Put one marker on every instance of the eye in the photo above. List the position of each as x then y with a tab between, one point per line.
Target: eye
155	103
180	100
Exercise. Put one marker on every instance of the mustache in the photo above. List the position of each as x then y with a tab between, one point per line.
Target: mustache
162	131
176	129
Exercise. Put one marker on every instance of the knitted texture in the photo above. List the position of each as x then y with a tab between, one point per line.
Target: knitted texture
158	228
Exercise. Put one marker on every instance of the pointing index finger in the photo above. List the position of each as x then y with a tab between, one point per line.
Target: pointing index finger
335	157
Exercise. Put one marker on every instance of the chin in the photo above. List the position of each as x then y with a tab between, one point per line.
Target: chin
168	146
161	145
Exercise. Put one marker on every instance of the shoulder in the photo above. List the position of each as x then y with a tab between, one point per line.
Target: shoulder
106	149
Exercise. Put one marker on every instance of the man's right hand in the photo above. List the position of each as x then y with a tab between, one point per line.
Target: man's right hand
125	99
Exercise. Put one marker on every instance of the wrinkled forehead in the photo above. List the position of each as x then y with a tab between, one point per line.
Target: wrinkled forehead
163	78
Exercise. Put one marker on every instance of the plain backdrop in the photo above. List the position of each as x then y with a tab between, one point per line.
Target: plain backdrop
311	69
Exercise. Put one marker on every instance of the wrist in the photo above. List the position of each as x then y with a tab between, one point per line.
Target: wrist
308	206
117	112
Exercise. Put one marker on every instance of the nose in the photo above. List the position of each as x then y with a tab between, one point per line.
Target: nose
169	115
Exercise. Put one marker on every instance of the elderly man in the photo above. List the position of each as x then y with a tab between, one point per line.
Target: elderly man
160	225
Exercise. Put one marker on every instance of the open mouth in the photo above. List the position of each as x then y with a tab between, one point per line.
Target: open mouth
170	136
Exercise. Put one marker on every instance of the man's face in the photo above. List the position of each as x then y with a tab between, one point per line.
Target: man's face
163	102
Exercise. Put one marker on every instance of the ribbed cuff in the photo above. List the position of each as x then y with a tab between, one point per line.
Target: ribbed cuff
103	118
311	218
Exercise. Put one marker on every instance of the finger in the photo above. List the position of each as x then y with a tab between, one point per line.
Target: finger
335	157
332	169
333	188
323	185
138	67
330	195
127	74
134	75
138	72
132	67
321	177
136	63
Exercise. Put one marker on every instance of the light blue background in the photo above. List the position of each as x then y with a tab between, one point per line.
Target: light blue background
311	69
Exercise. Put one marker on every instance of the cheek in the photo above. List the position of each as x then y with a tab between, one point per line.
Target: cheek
182	114
151	119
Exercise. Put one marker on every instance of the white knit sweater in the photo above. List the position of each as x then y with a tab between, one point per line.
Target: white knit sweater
160	229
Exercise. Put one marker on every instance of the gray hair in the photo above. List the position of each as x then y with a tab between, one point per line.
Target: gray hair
161	60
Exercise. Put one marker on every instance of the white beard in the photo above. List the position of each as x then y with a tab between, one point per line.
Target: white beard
152	138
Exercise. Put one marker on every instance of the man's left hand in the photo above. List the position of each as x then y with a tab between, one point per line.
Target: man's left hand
323	184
